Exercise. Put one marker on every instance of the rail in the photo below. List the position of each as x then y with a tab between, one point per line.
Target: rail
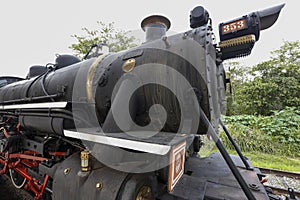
295	175
280	173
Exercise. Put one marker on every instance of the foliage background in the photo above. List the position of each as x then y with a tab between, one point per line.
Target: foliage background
277	134
263	108
115	39
270	85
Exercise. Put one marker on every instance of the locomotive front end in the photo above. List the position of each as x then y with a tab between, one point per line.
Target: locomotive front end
127	125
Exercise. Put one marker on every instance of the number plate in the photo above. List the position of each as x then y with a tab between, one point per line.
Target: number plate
234	26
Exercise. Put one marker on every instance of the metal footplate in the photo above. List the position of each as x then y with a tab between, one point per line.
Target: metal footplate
211	178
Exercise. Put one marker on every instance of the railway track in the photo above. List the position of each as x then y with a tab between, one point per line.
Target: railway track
279	181
276	172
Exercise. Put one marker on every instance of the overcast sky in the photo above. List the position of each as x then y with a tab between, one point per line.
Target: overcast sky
33	31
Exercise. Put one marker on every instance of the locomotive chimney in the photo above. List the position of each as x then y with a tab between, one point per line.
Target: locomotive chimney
155	27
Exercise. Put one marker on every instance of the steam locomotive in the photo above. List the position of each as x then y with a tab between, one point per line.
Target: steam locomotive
126	125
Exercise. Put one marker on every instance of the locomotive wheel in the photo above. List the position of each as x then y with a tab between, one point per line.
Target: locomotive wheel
17	180
138	187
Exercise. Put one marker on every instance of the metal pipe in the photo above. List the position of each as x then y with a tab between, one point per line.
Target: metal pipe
237	149
155	27
29	99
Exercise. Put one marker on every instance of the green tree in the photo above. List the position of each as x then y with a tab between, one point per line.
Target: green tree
254	97
284	62
115	39
276	84
238	75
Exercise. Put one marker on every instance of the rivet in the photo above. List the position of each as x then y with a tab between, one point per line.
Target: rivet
99	185
67	171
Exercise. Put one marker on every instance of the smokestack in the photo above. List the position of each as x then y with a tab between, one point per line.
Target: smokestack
155	27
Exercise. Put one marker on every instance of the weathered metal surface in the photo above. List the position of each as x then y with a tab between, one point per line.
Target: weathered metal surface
211	178
101	183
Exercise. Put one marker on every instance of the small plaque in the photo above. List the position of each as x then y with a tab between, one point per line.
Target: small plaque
176	169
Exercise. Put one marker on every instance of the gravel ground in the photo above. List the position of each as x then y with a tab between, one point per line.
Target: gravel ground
9	192
283	182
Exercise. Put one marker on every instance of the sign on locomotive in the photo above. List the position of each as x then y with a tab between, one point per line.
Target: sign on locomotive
127	125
